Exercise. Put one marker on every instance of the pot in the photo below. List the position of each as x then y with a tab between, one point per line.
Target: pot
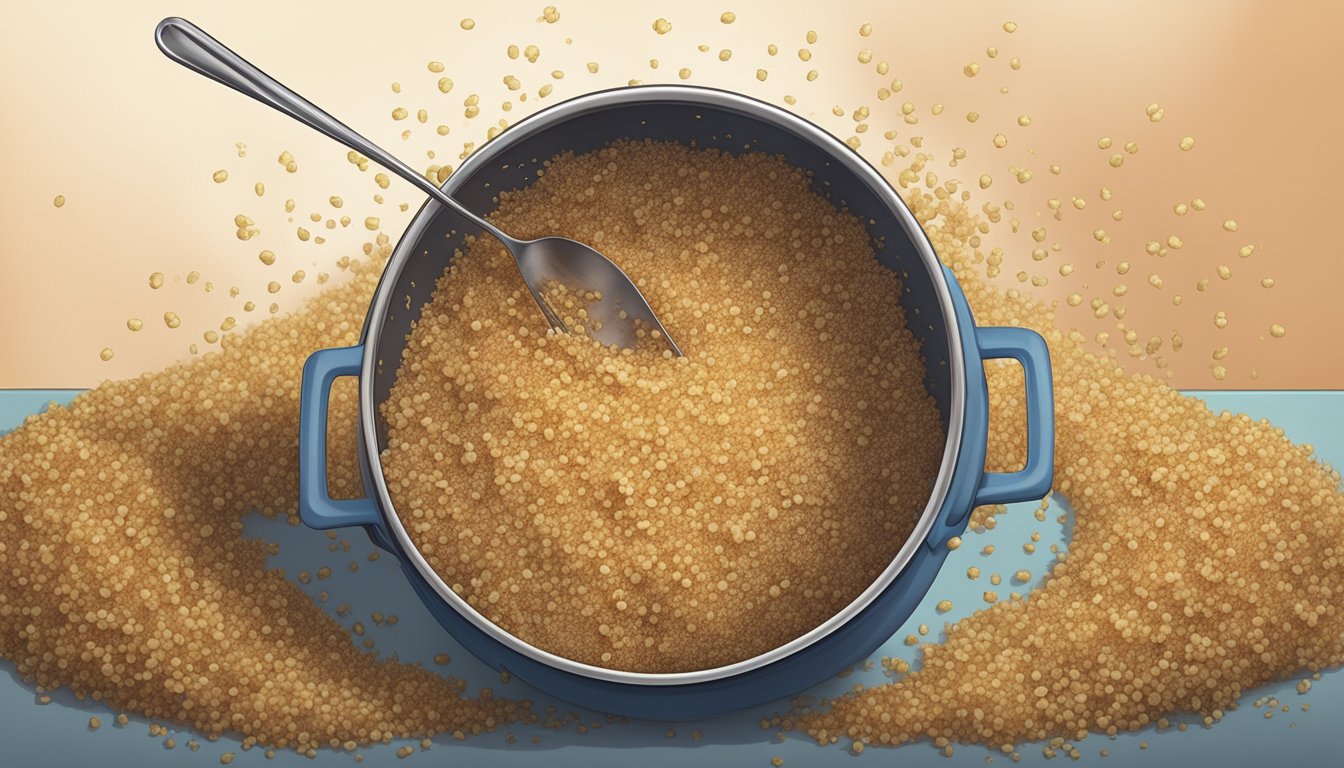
952	346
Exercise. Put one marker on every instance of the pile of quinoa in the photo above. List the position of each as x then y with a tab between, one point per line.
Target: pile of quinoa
639	511
1207	557
125	577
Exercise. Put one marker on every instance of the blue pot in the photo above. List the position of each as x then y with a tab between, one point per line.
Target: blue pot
937	313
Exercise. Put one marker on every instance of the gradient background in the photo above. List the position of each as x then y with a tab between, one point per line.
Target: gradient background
96	113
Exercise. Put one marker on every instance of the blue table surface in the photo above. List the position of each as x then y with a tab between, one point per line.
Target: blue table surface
57	734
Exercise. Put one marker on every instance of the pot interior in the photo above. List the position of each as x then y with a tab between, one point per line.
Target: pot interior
693	116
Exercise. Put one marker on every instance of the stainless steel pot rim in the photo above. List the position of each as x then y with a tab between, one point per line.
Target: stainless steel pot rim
779	119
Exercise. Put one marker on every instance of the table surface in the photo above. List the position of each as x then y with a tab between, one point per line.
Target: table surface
57	734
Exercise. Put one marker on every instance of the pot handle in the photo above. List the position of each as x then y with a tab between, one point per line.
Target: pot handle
1034	480
316	507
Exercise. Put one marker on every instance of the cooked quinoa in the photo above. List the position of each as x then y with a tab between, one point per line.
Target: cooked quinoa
645	512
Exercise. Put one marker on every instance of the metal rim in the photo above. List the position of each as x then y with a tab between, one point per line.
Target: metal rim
690	96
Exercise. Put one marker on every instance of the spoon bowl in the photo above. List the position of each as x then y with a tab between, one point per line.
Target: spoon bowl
617	312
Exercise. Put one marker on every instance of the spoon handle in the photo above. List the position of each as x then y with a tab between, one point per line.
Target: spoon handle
190	46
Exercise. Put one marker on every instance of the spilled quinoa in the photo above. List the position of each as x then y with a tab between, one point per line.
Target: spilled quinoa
125	577
645	512
1206	558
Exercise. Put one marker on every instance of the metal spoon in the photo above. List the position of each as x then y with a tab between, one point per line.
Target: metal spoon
541	261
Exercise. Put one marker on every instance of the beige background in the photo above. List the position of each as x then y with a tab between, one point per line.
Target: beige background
94	112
